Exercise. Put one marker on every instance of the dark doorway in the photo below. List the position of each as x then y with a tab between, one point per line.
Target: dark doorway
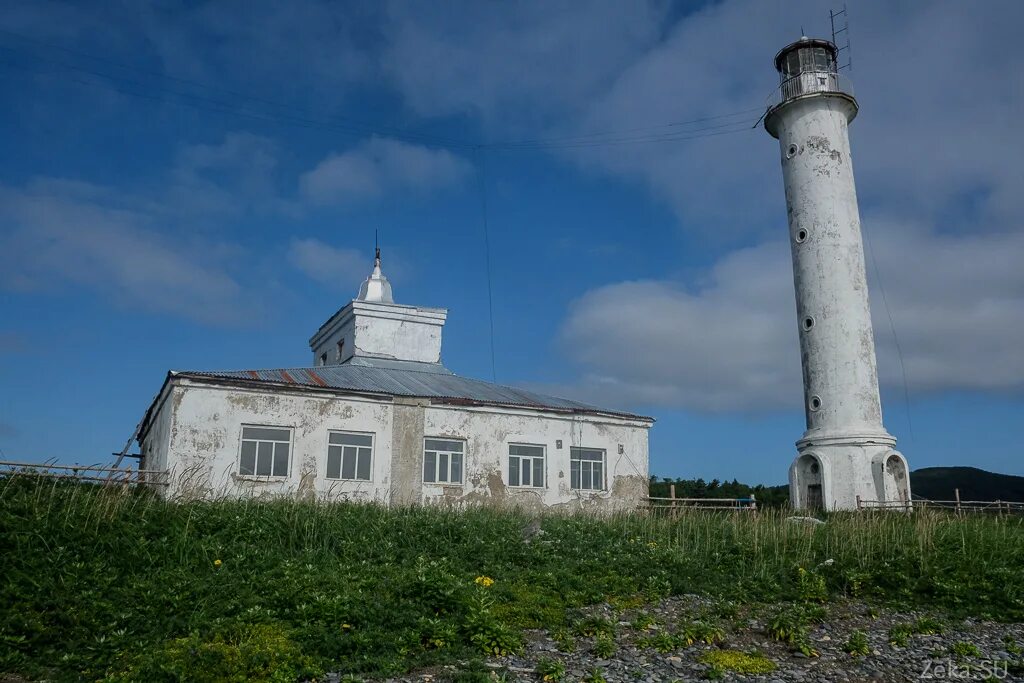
814	501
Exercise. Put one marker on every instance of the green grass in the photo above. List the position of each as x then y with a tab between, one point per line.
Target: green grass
753	663
105	583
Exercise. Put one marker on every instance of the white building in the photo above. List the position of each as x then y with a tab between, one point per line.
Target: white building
379	418
846	457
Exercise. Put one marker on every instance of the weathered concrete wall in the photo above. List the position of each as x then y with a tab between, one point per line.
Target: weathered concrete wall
381	330
156	445
206	437
203	424
407	451
488	433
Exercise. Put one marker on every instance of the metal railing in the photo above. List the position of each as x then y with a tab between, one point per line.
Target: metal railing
94	473
809	83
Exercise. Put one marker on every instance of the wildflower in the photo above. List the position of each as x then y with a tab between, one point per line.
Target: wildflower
217	563
346	627
484	581
652	545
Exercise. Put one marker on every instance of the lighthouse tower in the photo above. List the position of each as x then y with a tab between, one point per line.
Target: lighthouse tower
846	456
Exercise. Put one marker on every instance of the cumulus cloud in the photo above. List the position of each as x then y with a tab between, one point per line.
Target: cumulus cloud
333	266
730	342
382	165
69	233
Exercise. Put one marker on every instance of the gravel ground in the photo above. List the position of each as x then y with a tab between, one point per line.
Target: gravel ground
924	655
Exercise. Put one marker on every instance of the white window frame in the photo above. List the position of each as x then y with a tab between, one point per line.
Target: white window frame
274	446
581	470
343	448
448	458
518	478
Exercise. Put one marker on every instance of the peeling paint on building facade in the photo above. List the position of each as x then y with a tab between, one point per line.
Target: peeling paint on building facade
384	396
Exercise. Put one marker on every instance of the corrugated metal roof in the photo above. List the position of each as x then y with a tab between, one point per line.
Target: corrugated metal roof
407	378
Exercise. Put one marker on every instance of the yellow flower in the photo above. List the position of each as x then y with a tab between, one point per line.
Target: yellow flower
484	581
652	545
346	627
217	563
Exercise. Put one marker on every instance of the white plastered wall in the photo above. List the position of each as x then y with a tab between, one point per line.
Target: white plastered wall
203	425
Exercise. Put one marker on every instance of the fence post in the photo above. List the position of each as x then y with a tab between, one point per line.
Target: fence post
858	501
956	493
672	495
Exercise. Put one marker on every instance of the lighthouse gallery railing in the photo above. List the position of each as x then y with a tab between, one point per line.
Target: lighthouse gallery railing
809	83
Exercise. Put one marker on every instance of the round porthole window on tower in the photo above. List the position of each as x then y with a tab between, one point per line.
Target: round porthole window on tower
801	236
815	403
792	150
808	323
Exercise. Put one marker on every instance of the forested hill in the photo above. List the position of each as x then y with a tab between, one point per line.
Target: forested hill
933	483
938	483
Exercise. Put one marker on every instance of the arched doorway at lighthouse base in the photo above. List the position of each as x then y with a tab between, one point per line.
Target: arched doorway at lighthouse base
895	479
808	481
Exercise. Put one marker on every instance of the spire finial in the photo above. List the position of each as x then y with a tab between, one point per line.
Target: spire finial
376	246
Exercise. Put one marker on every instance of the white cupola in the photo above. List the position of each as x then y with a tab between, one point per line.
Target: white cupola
373	326
376	287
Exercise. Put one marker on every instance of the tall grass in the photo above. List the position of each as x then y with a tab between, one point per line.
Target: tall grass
109	582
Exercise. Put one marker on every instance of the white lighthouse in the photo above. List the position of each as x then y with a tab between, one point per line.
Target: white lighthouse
846	456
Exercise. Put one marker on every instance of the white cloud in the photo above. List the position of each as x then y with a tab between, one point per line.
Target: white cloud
379	166
333	266
517	64
68	233
731	342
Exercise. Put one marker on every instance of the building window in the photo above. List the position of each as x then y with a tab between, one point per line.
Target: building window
265	451
586	469
526	465
349	456
323	359
442	461
341	348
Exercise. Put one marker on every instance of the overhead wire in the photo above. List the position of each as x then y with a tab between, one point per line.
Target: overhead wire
132	87
482	178
163	91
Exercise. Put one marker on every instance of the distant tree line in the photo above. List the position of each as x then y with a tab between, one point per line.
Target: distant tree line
767	496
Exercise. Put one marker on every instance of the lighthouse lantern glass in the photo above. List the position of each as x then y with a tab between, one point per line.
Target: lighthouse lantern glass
807	59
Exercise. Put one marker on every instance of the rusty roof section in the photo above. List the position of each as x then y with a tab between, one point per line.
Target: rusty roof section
408	379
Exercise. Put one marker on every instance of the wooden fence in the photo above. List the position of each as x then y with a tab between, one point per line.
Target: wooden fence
94	473
956	505
675	505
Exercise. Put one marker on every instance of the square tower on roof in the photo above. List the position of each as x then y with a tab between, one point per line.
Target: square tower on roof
373	325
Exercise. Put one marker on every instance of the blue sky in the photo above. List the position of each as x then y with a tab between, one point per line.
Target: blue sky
196	186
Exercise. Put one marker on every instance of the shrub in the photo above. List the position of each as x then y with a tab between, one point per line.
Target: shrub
644	621
810	585
261	653
663	641
964	650
792	625
594	625
900	634
550	669
927	626
564	640
702	632
857	644
604	646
